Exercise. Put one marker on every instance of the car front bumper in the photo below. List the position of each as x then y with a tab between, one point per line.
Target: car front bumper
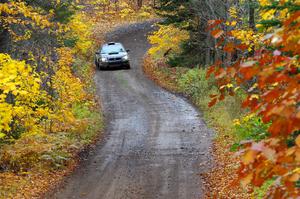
114	63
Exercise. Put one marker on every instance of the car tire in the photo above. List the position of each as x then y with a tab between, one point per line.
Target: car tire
102	67
127	66
97	65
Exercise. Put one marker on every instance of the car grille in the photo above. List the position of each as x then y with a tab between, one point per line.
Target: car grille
114	59
116	63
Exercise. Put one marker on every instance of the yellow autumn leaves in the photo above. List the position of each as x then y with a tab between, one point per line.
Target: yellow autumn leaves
247	35
13	10
69	90
269	2
20	94
167	38
32	105
81	29
24	104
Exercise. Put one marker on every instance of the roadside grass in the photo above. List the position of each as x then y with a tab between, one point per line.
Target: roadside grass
198	88
193	84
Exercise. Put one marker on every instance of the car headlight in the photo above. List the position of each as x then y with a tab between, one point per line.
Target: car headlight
125	58
104	59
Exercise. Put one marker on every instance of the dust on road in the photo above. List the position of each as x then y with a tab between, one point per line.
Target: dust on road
155	141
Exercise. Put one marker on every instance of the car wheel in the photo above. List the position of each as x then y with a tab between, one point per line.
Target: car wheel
127	66
97	65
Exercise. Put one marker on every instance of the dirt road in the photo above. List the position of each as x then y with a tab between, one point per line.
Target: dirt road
156	143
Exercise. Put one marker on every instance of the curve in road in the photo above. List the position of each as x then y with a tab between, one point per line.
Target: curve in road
155	141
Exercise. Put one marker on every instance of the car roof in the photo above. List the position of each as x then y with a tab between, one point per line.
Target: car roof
112	44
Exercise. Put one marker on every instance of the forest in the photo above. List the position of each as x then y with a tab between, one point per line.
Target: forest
237	61
241	58
49	111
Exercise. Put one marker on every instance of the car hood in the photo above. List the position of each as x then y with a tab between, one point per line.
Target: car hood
114	55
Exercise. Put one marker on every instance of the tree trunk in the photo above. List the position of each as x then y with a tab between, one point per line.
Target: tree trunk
139	3
252	21
252	15
4	34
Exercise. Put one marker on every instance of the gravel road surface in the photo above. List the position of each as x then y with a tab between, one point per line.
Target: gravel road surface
155	144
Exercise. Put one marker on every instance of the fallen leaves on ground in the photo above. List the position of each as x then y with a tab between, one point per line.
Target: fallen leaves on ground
220	180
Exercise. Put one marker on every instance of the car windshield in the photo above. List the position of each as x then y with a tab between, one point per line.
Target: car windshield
112	49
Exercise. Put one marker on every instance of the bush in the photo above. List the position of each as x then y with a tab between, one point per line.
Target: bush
189	56
24	153
251	127
195	84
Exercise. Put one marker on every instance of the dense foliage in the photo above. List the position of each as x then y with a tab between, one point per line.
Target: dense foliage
48	108
271	75
193	17
38	92
253	47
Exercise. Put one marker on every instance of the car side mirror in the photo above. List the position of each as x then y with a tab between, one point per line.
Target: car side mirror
128	50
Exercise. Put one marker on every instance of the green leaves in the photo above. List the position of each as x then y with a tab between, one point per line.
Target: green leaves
2	135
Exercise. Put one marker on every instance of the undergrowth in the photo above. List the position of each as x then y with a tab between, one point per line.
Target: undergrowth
193	84
44	158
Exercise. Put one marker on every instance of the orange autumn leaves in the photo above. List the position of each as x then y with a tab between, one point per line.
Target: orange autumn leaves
271	78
